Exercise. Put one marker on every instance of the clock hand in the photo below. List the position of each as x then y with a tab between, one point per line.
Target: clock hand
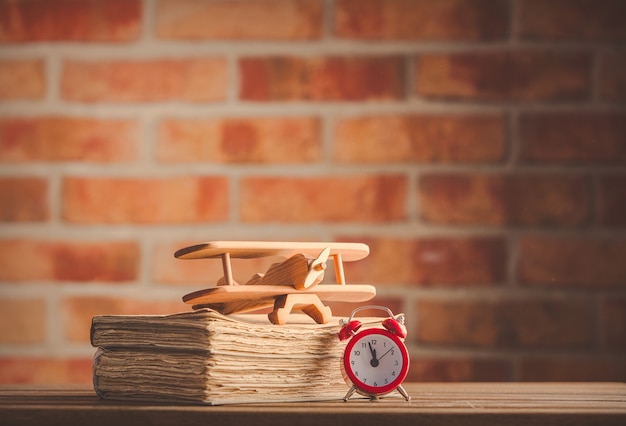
373	361
372	350
381	357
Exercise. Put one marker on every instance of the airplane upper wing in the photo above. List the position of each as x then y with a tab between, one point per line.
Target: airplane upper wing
252	249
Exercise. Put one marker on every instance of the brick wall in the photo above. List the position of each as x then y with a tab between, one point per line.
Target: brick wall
477	146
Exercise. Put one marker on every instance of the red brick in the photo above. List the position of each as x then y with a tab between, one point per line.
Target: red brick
144	200
420	139
169	270
70	20
67	139
243	140
574	369
508	323
421	20
573	261
611	76
577	138
321	78
364	199
431	261
79	311
612	200
425	369
522	75
191	80
45	371
23	200
613	323
504	200
240	20
569	20
22	321
22	79
33	260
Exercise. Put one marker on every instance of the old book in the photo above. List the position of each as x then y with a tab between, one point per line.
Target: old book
205	357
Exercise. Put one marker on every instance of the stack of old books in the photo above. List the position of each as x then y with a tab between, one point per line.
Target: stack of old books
205	357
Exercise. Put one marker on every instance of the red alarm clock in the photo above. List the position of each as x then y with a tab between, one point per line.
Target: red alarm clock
376	360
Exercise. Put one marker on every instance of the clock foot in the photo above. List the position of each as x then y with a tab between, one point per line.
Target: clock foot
403	393
349	394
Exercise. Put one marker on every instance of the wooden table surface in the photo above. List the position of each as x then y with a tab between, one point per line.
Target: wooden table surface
431	404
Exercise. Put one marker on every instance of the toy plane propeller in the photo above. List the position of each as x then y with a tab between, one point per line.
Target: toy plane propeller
288	285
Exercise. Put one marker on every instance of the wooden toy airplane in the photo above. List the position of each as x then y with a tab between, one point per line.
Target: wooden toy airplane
291	284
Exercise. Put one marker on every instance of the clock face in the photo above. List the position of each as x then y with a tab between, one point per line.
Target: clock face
376	361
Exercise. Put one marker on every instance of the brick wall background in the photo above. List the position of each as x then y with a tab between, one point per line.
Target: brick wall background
477	146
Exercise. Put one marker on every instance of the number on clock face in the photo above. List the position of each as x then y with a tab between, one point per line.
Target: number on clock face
376	360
